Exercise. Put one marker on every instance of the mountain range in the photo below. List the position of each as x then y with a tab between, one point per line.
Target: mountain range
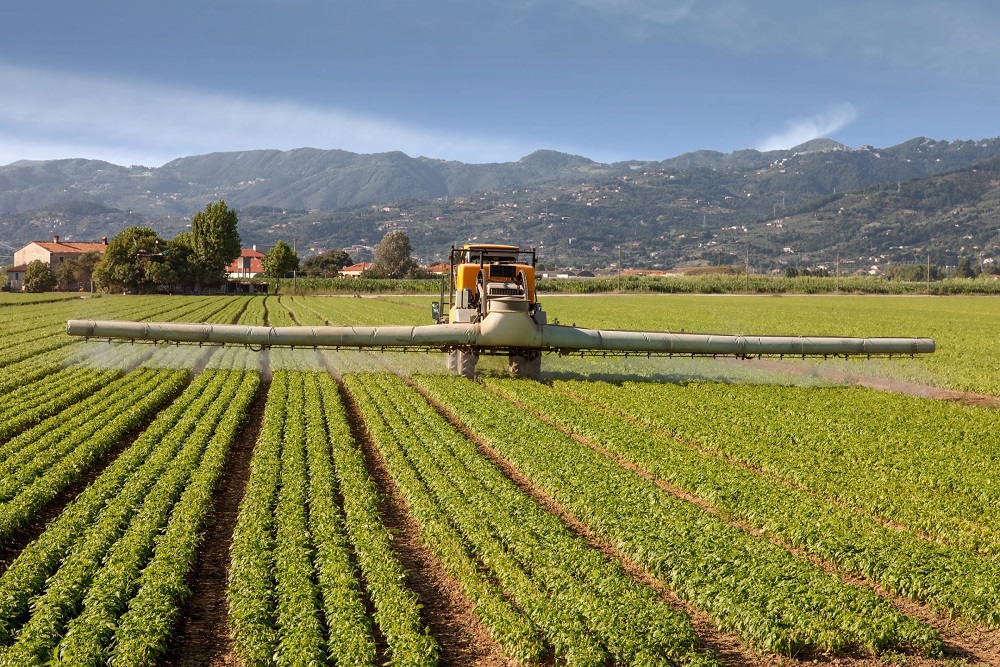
690	209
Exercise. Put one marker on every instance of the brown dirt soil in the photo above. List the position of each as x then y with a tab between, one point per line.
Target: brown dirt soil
449	615
202	638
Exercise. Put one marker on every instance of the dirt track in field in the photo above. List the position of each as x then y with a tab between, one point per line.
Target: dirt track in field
202	637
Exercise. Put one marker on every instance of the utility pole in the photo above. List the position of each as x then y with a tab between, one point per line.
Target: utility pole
838	273
295	272
746	269
619	269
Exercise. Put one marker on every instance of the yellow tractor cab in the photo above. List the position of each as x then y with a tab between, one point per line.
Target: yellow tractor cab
483	273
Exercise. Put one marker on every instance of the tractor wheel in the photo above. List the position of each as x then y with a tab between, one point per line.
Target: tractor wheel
467	364
525	366
452	361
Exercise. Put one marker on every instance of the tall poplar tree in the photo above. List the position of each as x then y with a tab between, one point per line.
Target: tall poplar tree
216	239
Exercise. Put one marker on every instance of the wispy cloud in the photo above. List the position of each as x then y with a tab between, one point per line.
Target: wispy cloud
801	130
47	115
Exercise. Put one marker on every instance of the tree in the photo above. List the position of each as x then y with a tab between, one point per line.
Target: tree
85	265
392	257
791	272
126	263
215	239
326	265
964	269
39	277
183	261
279	261
66	275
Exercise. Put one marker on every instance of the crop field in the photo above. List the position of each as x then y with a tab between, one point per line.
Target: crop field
187	505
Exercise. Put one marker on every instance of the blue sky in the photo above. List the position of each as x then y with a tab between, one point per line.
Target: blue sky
143	82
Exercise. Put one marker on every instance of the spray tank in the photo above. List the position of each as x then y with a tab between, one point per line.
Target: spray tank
491	309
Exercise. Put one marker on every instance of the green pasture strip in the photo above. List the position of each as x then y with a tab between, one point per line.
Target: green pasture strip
947	578
589	609
924	464
114	492
772	599
68	451
145	630
766	285
397	611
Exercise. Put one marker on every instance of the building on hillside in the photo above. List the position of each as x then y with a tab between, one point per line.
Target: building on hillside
247	265
354	270
52	253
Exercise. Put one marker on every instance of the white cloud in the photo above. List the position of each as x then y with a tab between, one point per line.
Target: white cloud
47	115
802	130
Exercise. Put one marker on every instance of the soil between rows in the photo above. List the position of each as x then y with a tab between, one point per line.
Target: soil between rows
202	636
447	612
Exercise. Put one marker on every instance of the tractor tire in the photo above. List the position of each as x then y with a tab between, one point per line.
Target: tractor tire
525	366
467	364
452	361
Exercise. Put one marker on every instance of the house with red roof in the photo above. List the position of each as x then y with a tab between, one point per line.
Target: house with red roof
56	252
354	270
52	253
247	265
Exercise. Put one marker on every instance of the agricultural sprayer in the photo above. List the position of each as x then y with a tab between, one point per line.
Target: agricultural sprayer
492	309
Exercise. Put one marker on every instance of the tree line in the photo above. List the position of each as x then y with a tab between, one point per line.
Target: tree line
138	261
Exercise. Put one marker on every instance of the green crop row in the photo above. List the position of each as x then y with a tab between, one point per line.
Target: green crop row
293	547
47	397
397	611
343	605
122	549
901	562
929	466
116	491
775	601
587	609
145	629
62	452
